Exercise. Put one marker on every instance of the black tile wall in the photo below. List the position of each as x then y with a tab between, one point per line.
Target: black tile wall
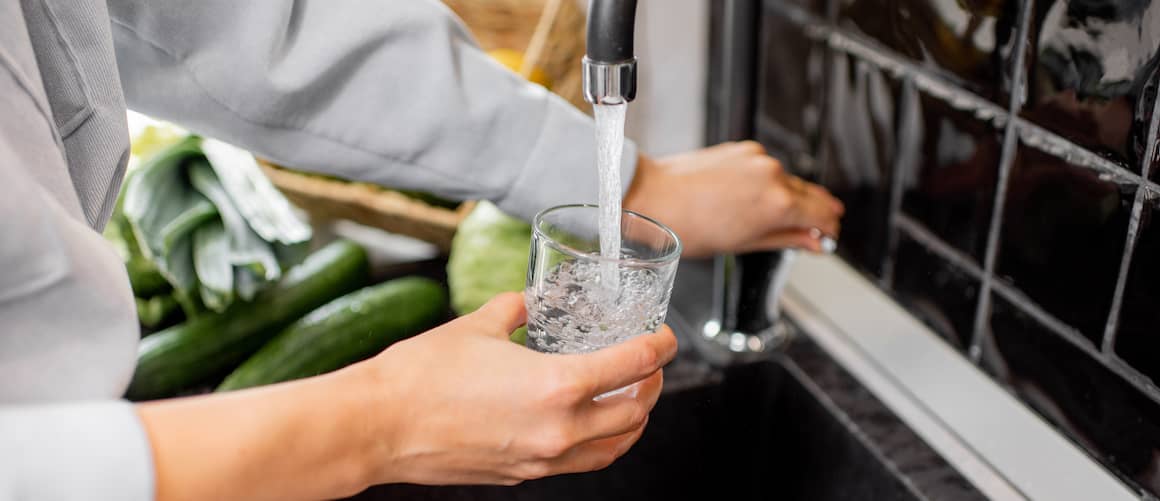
968	41
937	292
816	7
911	126
789	91
1138	338
1116	423
857	154
952	191
1091	62
1063	237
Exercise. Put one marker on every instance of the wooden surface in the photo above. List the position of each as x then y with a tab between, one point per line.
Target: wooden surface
332	199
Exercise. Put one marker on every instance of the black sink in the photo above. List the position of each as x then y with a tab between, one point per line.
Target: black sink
759	431
796	427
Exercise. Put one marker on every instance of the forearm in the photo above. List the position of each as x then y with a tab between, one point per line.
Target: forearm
302	440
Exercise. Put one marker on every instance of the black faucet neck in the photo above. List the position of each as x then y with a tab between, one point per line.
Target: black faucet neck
611	28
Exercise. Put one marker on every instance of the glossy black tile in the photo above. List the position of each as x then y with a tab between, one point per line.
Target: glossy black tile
816	7
950	187
1063	238
857	154
940	294
789	90
1096	408
1093	74
1138	336
1092	78
969	42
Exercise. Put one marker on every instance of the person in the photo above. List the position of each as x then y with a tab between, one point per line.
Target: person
394	93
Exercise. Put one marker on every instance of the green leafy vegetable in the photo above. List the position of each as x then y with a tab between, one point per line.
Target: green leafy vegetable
211	260
255	197
489	255
247	249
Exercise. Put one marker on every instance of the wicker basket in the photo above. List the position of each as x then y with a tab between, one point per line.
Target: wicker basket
549	32
327	199
551	35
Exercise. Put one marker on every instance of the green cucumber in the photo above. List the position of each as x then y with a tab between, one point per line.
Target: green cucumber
349	329
197	351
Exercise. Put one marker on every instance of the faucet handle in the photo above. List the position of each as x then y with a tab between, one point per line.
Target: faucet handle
745	322
746	319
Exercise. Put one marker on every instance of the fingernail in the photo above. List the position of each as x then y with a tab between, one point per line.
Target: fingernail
829	245
826	243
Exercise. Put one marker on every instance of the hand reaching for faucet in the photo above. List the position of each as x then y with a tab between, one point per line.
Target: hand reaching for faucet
733	197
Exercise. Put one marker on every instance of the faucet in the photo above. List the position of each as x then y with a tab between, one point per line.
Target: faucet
745	320
609	63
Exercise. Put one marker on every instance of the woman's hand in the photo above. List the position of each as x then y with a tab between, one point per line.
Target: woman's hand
459	404
733	197
462	404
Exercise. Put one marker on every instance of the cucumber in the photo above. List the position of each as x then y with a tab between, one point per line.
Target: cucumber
197	351
349	329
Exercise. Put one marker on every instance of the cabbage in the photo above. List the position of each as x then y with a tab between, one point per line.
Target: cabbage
489	255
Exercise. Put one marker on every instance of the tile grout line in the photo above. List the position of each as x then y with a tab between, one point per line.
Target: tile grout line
1112	325
1037	137
1028	306
1077	339
901	161
932	84
1006	164
920	234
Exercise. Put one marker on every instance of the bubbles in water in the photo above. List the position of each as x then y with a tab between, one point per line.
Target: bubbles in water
572	313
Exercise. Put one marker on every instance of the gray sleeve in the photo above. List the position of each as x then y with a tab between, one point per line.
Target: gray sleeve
390	92
74	451
58	451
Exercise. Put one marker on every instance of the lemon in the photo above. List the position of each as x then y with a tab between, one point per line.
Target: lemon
513	60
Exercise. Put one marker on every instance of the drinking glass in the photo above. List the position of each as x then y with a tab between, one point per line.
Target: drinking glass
579	301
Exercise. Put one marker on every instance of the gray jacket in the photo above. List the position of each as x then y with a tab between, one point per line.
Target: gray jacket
392	92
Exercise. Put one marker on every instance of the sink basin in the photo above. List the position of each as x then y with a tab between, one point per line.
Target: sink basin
793	427
757	432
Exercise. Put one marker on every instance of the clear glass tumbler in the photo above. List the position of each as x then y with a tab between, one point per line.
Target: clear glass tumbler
571	307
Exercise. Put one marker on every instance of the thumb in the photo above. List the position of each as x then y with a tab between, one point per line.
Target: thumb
625	363
502	315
